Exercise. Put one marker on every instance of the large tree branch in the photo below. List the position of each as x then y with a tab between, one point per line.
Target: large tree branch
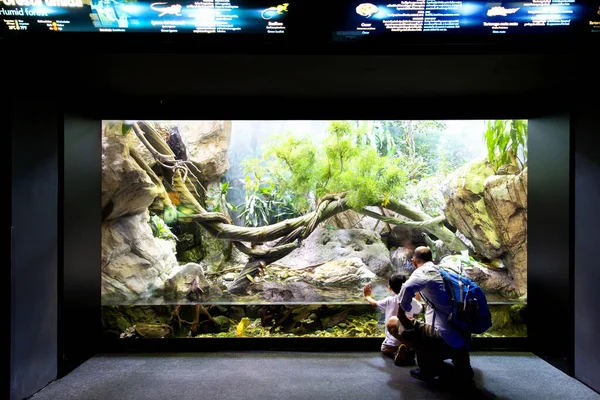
425	225
268	233
443	233
292	231
302	227
329	205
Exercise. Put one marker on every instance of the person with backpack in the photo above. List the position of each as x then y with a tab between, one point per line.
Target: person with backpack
437	339
391	347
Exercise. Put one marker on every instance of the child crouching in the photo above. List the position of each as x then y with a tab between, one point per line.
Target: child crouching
391	347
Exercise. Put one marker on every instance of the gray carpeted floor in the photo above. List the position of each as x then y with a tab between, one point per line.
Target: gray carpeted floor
299	375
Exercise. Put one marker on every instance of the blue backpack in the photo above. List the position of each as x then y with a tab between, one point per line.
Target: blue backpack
470	311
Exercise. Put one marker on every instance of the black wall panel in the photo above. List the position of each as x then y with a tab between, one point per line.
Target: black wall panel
81	231
550	309
587	241
33	271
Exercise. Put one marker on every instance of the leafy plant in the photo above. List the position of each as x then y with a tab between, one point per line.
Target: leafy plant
266	205
285	206
407	133
217	199
357	326
344	163
426	195
368	179
255	210
372	161
160	228
507	142
377	135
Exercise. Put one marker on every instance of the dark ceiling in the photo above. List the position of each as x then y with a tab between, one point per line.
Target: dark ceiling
325	76
444	78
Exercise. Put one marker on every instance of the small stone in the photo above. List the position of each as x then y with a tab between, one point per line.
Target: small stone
230	276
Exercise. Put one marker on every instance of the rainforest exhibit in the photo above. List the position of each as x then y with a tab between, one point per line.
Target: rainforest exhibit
272	228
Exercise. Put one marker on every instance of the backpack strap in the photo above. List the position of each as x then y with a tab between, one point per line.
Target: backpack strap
435	312
430	304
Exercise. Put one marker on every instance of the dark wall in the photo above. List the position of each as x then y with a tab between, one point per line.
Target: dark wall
81	229
33	303
549	275
587	240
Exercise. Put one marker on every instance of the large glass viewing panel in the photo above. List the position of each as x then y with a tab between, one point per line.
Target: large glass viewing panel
273	228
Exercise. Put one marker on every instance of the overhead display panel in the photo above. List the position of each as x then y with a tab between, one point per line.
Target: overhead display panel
187	16
311	20
364	18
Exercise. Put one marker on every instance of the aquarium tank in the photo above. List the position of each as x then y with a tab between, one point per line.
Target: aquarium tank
230	229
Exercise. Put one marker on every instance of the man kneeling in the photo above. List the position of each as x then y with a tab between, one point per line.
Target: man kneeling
436	340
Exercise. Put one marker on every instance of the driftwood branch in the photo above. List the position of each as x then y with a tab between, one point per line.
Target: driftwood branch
425	225
164	156
444	234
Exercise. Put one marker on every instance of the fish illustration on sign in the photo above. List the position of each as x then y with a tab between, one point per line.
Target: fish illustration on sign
174	9
367	9
501	11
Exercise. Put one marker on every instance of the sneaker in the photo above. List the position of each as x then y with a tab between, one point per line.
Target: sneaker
404	356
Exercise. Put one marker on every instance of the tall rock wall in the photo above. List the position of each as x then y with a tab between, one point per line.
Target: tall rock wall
506	204
466	209
491	211
135	264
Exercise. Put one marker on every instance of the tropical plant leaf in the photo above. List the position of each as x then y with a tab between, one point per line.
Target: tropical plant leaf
506	137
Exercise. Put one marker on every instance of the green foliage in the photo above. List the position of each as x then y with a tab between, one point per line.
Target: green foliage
412	143
217	199
297	172
291	165
374	169
160	229
285	206
449	157
256	207
192	255
507	142
339	146
125	129
371	161
170	215
265	205
375	134
426	195
357	326
369	179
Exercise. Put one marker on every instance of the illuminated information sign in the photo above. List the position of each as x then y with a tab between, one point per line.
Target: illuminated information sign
202	16
450	16
347	19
